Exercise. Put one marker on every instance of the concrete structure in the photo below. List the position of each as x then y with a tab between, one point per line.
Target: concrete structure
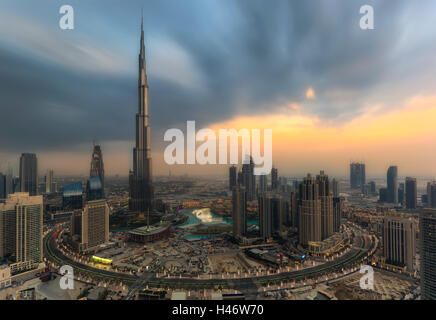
140	178
431	194
95	225
309	212
326	198
29	174
274	179
50	185
399	245
263	184
5	276
232	177
97	166
357	175
411	193
148	234
21	230
427	227
392	179
239	212
249	179
335	188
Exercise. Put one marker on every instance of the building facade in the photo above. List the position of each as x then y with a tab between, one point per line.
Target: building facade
140	178
21	230
29	173
239	212
357	175
392	179
411	193
97	166
399	242
427	228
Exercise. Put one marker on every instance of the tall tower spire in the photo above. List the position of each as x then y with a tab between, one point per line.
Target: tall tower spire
141	188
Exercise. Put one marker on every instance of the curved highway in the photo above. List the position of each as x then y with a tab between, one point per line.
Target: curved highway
351	258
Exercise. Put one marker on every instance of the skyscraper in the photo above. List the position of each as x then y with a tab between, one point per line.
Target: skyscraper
326	201
411	193
97	166
21	230
94	189
249	179
427	227
262	188
337	213
232	177
309	212
49	183
335	187
357	175
95	225
140	179
274	179
392	178
239	212
2	186
28	173
265	216
431	194
399	242
72	196
401	193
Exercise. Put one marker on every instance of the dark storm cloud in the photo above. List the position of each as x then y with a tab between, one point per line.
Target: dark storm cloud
252	55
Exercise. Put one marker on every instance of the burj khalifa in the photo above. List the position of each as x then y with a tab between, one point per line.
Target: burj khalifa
140	178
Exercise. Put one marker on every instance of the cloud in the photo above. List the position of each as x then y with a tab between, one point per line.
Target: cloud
58	47
208	61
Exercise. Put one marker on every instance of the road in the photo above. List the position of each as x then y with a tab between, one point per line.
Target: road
246	285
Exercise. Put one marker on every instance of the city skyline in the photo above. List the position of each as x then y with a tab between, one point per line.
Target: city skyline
323	115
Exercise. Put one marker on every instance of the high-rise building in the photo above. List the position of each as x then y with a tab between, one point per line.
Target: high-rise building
239	213
94	189
392	178
401	193
383	194
373	187
95	225
431	194
72	196
29	174
2	186
326	201
97	166
249	179
309	212
21	231
293	209
263	187
232	177
274	179
399	242
427	228
411	193
357	175
265	216
140	178
49	183
335	187
272	215
337	213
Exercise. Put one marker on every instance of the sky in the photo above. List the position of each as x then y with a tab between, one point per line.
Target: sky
331	92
